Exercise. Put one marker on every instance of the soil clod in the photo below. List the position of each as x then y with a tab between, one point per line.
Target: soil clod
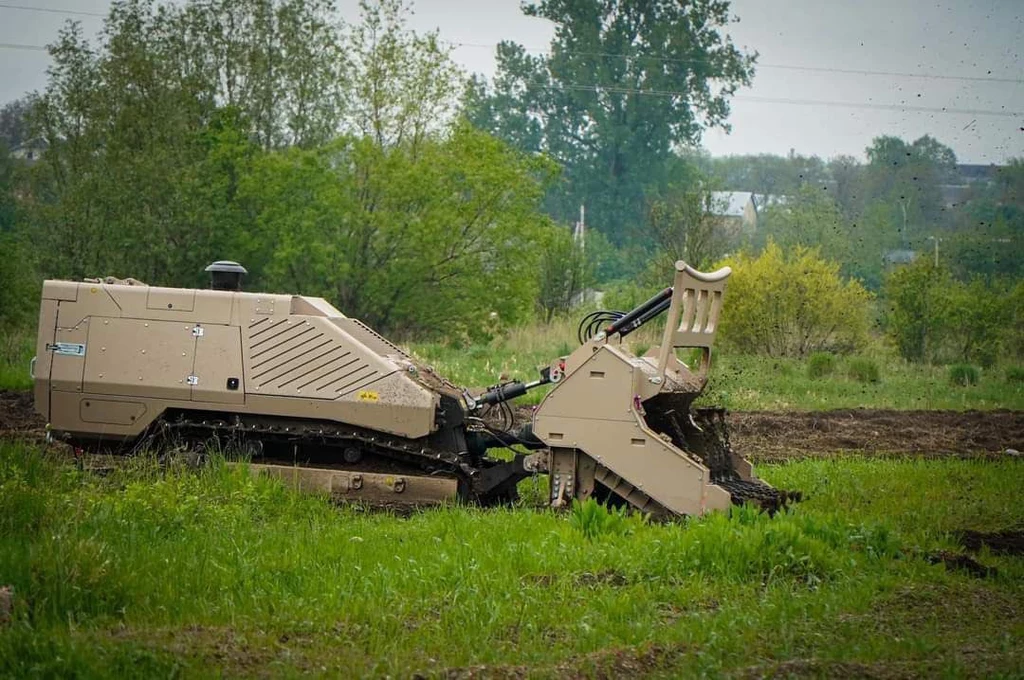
999	542
959	562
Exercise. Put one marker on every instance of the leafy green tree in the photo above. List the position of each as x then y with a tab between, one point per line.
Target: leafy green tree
931	316
913	308
907	179
975	319
430	242
791	304
565	272
627	83
404	86
809	218
846	177
281	63
151	130
14	122
988	235
770	175
685	225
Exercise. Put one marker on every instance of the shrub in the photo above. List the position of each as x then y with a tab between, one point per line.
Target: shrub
963	375
820	364
1015	374
863	370
792	304
931	316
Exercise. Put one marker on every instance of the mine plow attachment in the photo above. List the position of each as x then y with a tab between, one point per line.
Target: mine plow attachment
622	427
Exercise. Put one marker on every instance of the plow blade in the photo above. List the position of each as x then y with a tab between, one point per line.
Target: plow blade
656	455
622	427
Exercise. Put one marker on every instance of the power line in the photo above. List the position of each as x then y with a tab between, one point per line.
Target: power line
17	46
930	76
796	102
50	10
749	98
789	67
882	107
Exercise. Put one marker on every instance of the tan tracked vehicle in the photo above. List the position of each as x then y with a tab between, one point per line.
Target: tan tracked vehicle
326	403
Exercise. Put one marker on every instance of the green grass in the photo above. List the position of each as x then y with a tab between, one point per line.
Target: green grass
745	383
152	573
16	350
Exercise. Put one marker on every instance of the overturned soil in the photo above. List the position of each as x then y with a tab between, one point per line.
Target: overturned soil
18	417
999	542
770	436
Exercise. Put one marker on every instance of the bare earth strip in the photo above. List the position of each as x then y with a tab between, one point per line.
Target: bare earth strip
776	436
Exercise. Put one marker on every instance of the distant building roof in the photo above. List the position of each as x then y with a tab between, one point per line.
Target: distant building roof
899	256
731	203
770	200
976	172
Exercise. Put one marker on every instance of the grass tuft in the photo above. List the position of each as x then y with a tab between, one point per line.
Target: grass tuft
820	365
16	349
863	370
964	375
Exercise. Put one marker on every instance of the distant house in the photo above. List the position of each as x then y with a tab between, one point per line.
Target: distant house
764	201
968	178
736	208
896	258
30	151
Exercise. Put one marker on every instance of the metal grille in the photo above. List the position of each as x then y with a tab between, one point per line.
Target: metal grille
301	358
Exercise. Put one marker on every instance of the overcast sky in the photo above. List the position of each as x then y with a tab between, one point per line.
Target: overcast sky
938	46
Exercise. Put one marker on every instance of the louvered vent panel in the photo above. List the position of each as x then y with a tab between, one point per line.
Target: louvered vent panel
289	358
378	336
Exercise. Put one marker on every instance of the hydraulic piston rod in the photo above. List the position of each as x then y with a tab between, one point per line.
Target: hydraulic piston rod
641	314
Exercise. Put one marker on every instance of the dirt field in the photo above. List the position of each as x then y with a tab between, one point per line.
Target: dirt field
776	436
769	436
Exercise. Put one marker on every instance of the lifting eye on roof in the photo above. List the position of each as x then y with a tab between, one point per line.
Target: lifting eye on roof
226	275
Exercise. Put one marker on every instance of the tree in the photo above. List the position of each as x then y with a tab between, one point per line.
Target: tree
685	225
792	304
809	218
626	84
281	63
565	273
770	175
404	86
147	127
907	179
14	123
425	242
846	174
913	300
931	316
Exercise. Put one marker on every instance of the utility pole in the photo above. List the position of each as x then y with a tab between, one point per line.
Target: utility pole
581	229
936	239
